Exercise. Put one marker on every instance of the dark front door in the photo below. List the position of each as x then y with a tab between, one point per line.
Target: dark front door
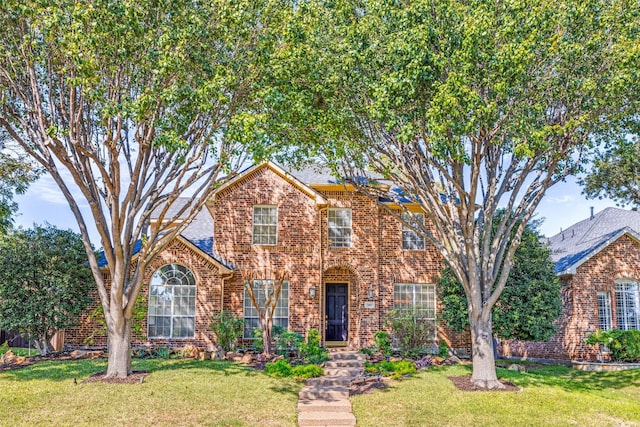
337	310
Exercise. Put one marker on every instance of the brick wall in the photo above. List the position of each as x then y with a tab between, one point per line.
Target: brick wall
619	260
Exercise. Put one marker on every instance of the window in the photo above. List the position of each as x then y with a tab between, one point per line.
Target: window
628	305
261	289
411	240
604	311
339	228
172	303
265	225
419	298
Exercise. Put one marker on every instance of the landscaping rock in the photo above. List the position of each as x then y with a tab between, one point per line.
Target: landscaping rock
516	367
7	358
454	360
395	359
78	354
247	359
217	355
438	360
232	354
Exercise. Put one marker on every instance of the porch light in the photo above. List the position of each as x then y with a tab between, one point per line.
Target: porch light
312	292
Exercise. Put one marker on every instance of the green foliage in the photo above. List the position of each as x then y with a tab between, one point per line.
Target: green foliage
413	333
396	369
258	345
624	346
4	347
283	369
311	350
279	368
616	172
44	282
228	328
16	172
367	351
286	341
529	303
382	342
162	352
303	372
443	350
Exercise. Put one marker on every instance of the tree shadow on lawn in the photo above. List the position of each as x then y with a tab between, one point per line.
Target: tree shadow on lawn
80	369
571	379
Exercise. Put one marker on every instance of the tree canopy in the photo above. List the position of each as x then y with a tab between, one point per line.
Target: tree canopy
465	108
530	302
142	103
44	282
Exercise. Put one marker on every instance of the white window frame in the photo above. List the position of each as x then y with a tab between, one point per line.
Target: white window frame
338	226
172	288
265	233
627	304
250	313
411	239
605	318
405	295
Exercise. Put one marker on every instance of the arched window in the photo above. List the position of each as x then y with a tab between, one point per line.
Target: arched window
172	303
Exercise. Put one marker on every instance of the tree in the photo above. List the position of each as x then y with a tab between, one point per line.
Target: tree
139	103
263	289
529	303
463	107
44	283
616	172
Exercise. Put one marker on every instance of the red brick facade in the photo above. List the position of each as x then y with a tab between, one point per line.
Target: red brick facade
619	260
371	266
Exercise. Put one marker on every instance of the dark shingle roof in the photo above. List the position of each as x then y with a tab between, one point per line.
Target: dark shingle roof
582	240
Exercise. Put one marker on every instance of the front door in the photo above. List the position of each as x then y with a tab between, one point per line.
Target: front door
337	310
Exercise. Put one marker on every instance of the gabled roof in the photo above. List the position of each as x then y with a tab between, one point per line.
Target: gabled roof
577	244
198	235
313	194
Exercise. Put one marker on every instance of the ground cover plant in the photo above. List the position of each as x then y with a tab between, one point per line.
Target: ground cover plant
176	392
549	396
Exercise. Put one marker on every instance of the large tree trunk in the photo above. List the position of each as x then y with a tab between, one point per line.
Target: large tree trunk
484	366
43	345
119	364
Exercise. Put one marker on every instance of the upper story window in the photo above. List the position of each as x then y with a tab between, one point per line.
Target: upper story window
604	311
265	225
412	240
339	228
172	303
628	304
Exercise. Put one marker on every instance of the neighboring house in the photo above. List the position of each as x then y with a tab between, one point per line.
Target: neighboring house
598	262
349	262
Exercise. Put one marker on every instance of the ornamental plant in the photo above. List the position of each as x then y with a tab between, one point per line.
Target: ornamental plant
624	346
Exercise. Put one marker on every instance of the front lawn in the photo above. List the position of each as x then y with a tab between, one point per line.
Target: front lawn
177	392
550	396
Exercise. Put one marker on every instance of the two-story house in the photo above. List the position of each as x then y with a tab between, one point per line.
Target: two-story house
348	261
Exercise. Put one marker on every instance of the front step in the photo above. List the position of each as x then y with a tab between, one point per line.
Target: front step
330	381
343	372
347	355
324	393
343	363
319	405
326	418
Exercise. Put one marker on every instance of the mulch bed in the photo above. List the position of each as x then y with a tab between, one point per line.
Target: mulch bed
28	361
136	377
464	383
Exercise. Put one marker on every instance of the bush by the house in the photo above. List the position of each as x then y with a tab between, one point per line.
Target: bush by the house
394	369
227	327
413	333
624	346
382	343
282	368
311	350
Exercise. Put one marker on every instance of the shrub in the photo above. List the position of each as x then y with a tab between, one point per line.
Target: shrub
279	368
162	352
624	346
227	327
311	350
286	340
395	370
303	372
413	333
382	342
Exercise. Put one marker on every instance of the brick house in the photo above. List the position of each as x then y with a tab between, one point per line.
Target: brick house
598	262
349	262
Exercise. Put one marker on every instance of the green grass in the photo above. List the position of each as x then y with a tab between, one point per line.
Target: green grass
177	392
550	396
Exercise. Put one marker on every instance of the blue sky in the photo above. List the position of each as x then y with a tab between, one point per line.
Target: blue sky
562	206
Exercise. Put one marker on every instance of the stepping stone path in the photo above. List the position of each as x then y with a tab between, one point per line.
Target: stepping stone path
325	401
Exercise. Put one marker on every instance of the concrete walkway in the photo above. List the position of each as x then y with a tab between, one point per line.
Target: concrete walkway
325	401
